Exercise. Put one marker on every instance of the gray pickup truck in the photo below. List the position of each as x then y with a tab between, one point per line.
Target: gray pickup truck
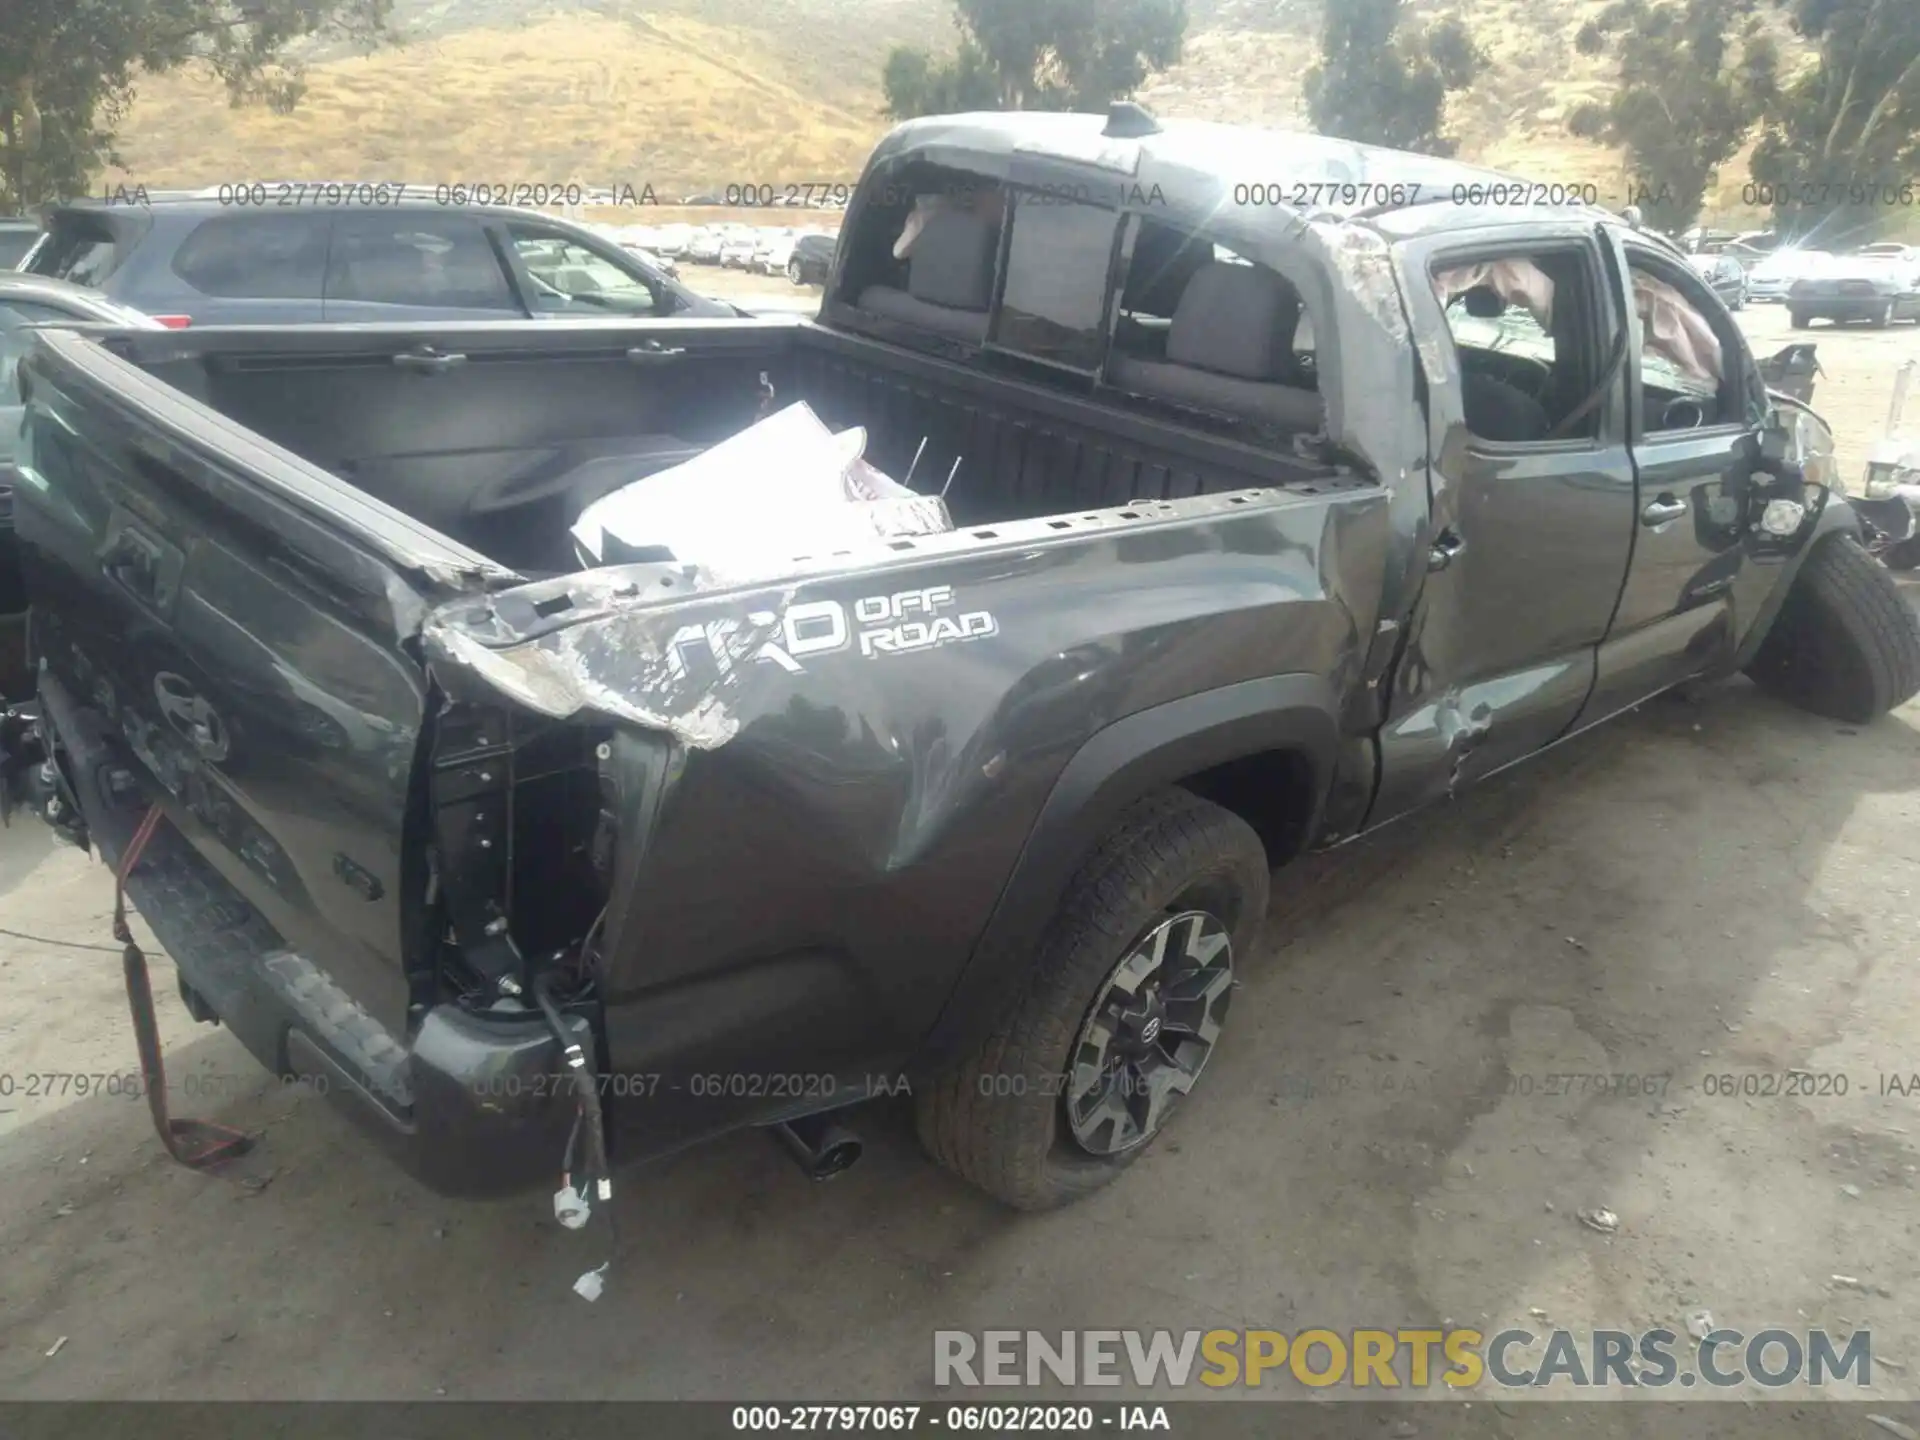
1285	503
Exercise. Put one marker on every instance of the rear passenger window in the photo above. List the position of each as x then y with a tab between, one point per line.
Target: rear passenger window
1525	331
1053	306
442	261
256	257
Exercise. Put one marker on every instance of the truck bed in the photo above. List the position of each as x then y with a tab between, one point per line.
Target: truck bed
408	746
501	450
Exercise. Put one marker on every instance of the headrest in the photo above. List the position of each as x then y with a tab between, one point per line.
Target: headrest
1236	320
952	259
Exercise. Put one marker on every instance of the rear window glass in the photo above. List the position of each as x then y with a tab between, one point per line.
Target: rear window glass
256	257
442	261
81	248
1054	302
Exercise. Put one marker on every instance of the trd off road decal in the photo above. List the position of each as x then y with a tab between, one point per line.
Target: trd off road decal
902	623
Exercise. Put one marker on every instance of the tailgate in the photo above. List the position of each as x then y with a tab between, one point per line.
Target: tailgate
240	621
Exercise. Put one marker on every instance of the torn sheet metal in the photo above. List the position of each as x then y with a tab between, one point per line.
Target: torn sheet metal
671	669
1363	261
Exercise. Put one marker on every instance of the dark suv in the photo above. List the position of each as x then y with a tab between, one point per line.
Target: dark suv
16	238
199	260
812	259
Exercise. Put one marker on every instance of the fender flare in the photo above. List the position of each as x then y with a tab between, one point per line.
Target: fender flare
1836	517
1116	766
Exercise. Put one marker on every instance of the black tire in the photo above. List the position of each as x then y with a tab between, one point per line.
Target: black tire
1172	852
1799	319
1884	318
1904	556
1846	644
793	272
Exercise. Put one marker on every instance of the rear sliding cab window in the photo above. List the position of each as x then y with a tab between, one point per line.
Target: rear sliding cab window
78	247
256	257
1053	306
443	261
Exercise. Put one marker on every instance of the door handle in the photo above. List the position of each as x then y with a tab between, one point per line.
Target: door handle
429	360
1446	545
1660	511
652	350
134	561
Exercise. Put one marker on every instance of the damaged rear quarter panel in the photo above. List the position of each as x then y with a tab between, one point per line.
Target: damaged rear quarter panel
860	756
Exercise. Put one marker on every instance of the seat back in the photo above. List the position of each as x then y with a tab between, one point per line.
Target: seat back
1230	350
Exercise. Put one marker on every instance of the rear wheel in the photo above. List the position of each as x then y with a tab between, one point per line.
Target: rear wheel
793	272
1885	318
1121	1014
1799	319
1845	644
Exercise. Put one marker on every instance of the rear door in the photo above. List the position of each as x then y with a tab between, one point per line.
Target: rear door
1532	506
241	619
1695	404
408	264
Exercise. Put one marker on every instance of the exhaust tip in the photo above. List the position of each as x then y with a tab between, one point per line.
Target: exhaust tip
842	1153
821	1148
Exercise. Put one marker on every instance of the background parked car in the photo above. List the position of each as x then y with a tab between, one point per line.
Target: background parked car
1857	287
1892	250
654	260
16	238
811	259
1726	275
703	247
771	258
736	252
196	261
1772	277
670	241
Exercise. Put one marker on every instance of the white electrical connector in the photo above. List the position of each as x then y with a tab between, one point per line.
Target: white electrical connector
590	1285
604	1188
570	1207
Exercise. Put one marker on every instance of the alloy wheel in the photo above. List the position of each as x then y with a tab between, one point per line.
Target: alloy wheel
1149	1033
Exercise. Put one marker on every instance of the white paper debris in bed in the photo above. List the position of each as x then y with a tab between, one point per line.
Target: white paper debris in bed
782	488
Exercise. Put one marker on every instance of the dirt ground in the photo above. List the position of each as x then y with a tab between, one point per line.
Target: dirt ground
1716	885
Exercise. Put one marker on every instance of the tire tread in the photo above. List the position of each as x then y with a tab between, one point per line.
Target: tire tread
1003	1144
1845	644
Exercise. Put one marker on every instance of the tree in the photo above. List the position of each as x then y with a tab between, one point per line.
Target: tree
68	70
1841	149
1383	82
1694	76
915	84
1038	55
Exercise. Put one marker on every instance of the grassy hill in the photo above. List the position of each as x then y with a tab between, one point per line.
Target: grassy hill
693	94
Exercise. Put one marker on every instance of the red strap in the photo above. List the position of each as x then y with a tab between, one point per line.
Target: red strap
194	1143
